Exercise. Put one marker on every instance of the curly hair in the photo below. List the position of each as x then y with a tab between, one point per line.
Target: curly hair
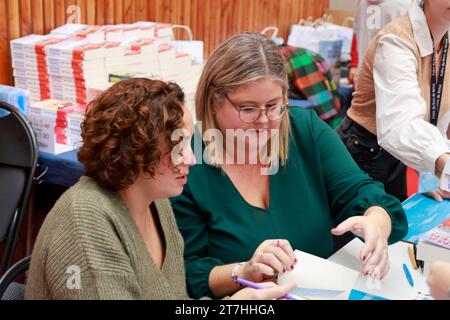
123	127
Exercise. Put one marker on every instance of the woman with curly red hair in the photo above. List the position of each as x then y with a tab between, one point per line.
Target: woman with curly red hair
113	235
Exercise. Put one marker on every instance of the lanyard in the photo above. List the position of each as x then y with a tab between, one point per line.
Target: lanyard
437	82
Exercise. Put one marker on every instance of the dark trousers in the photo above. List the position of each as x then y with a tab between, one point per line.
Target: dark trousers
371	158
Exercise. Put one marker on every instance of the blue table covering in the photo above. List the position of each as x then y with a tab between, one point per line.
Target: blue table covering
63	169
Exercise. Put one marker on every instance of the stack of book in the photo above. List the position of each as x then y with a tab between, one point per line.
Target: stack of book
56	124
94	91
137	46
166	62
435	245
73	131
160	31
76	62
74	65
142	29
81	31
30	64
140	55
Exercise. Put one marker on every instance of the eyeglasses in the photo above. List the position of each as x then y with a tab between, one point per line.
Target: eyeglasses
252	114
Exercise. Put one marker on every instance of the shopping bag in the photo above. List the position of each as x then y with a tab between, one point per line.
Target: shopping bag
193	47
308	34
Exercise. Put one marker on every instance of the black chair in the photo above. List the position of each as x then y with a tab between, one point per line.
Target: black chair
18	161
10	290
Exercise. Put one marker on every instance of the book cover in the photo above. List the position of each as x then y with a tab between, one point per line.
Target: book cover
424	214
440	235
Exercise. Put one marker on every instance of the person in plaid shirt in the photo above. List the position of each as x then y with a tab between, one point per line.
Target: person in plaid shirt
310	78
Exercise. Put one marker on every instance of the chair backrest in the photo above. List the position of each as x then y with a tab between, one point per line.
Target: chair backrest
10	290
18	160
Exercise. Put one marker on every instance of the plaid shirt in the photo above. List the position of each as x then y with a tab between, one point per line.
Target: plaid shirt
310	78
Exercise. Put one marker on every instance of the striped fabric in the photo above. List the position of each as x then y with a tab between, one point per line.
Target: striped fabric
310	78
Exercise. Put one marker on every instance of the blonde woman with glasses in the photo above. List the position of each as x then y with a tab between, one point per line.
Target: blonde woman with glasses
271	179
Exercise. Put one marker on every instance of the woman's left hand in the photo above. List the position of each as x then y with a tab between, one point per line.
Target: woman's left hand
374	227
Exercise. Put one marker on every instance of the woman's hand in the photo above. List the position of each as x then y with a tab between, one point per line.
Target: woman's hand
439	280
272	257
374	227
273	291
438	195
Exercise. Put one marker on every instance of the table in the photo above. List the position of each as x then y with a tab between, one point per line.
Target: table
395	285
63	169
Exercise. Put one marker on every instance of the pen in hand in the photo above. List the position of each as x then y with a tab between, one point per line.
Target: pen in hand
260	286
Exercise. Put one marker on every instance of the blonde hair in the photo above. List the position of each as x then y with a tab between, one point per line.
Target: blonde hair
241	59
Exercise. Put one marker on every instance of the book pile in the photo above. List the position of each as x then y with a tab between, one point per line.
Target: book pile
73	58
30	64
139	55
57	124
435	245
76	64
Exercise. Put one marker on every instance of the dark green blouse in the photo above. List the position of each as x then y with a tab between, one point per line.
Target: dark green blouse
319	187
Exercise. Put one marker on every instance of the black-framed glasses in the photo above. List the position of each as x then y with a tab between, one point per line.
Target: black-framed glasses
252	114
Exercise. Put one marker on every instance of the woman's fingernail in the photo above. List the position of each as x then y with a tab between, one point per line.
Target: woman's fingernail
292	267
284	270
295	260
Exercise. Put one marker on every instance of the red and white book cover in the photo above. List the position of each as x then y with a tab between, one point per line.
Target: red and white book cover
440	235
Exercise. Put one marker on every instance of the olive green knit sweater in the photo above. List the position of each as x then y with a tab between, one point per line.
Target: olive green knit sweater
90	248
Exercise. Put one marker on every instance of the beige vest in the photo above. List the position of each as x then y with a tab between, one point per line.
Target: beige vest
363	106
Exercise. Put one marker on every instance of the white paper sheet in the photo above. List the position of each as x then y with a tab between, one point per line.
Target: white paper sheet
318	273
394	286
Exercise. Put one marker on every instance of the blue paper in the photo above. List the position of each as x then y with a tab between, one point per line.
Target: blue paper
318	293
359	295
424	214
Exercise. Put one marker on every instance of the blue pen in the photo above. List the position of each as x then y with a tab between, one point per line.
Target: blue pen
259	286
408	275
